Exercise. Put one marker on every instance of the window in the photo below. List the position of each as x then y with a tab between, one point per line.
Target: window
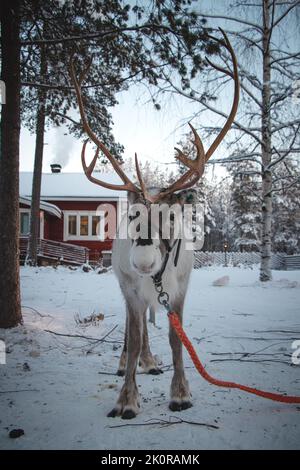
24	222
72	225
83	225
95	225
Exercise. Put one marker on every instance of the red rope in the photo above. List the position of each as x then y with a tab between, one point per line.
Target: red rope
176	324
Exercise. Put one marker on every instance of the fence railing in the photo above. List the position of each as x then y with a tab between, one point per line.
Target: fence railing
234	258
57	251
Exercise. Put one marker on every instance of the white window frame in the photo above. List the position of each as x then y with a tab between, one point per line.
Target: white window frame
23	210
89	214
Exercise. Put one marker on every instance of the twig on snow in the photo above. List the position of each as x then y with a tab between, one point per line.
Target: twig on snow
257	361
90	338
166	423
21	390
42	315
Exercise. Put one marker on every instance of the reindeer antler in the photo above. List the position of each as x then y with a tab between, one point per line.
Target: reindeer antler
128	185
195	167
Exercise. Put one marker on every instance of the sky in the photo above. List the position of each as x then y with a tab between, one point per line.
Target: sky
137	125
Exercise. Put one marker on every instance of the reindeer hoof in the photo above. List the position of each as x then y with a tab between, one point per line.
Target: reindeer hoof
128	414
186	404
179	406
113	413
154	371
121	372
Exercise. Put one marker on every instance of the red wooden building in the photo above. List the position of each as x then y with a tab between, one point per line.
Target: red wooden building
73	212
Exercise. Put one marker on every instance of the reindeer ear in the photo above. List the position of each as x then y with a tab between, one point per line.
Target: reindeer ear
187	196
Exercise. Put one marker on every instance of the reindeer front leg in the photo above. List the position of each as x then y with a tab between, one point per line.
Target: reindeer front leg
180	392
147	361
128	405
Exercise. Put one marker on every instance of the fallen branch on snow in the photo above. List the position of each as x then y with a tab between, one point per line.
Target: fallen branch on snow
257	361
22	390
90	338
164	423
42	315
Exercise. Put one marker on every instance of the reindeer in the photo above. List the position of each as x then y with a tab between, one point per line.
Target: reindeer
145	266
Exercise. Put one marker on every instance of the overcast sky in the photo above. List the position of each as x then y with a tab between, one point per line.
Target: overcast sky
137	125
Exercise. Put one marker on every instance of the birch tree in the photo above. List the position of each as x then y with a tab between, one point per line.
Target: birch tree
265	37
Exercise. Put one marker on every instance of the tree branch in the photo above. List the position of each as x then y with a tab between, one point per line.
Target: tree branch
231	18
285	13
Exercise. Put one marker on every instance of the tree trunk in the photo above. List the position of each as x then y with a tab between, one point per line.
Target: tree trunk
10	307
37	173
266	223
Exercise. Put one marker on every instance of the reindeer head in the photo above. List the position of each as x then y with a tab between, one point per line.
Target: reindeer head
155	228
148	252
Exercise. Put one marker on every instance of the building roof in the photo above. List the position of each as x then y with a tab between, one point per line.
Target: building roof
68	186
45	206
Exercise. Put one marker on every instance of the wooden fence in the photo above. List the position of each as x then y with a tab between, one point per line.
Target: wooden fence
232	258
51	251
292	262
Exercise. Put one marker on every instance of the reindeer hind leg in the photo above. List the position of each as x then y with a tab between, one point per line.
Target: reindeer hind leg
123	359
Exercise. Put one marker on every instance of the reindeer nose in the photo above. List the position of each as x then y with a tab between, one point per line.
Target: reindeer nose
143	241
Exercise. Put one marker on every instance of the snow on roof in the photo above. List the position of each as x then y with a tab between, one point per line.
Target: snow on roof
71	186
46	206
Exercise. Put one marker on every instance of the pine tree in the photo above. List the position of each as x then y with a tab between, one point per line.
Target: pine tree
128	44
245	207
221	232
10	305
286	213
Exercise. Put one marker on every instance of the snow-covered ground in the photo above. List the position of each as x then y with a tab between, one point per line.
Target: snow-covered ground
58	389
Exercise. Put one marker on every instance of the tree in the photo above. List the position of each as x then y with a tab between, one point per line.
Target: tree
10	307
143	39
222	230
53	102
129	44
286	212
266	129
245	205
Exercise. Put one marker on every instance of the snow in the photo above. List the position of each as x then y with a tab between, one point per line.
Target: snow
69	396
57	186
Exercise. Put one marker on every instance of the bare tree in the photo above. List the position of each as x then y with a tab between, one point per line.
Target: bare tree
266	130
